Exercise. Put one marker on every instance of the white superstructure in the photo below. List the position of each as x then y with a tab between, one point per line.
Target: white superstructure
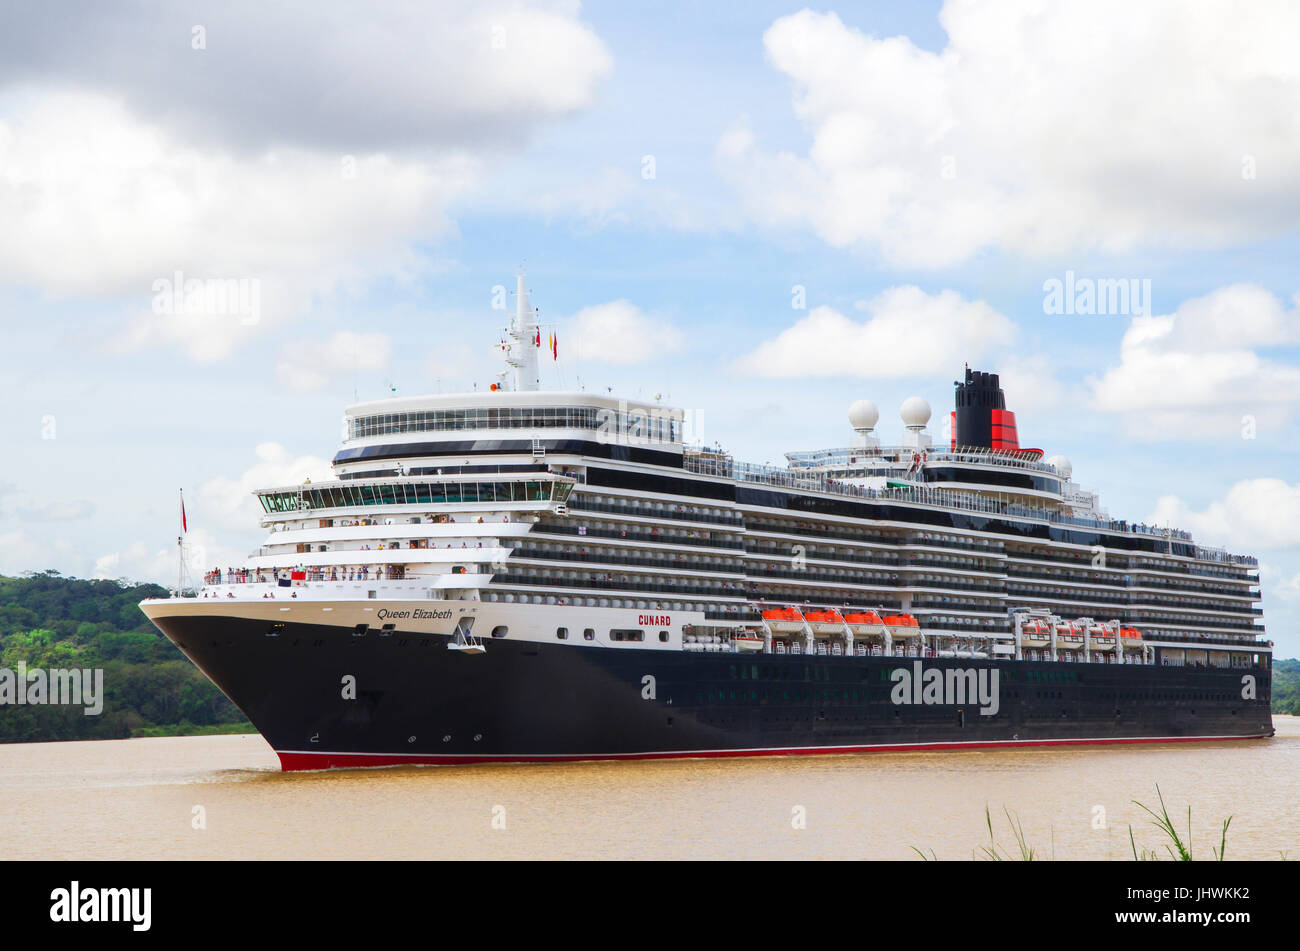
591	512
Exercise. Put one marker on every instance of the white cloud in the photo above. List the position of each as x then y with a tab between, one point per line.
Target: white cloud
222	514
22	551
99	205
137	563
310	364
909	333
228	502
21	505
618	332
612	196
1039	128
1255	514
69	510
1196	373
317	73
1286	588
117	172
140	562
1032	382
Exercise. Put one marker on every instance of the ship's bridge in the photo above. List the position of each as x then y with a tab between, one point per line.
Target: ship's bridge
370	497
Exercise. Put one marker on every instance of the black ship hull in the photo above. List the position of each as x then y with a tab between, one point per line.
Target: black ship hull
324	697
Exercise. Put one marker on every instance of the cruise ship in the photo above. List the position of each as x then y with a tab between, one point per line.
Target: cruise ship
521	574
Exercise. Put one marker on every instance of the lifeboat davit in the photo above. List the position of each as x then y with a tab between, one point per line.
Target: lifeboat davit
902	625
784	620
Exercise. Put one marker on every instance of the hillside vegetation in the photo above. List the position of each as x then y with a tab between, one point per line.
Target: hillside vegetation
1286	686
150	687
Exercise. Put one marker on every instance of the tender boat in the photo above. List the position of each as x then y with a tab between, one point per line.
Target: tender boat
1069	637
1100	636
1035	634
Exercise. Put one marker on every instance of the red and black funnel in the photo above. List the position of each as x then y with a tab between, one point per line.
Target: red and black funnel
981	419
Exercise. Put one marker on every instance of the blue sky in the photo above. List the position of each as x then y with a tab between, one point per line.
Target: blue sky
919	170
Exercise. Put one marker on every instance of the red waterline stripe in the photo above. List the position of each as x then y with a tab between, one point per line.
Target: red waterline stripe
310	760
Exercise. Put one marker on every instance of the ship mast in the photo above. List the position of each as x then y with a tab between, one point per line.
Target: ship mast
523	331
180	549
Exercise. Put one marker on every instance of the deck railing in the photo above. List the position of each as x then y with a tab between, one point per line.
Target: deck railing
919	495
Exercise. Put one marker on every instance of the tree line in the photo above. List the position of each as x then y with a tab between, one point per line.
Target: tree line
48	621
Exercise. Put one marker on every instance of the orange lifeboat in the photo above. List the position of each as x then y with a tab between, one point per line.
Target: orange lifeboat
784	620
1130	636
825	622
864	622
902	625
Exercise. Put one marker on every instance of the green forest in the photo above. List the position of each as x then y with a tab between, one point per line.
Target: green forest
1286	686
150	687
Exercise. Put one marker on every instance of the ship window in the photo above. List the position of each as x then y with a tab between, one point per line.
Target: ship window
500	631
360	630
634	634
562	633
663	637
588	634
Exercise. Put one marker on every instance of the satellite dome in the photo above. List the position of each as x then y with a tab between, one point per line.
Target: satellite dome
863	415
1061	465
915	412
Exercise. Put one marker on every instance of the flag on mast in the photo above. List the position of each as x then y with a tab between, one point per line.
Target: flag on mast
184	526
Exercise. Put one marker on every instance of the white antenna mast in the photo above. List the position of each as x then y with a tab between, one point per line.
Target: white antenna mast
521	355
180	550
